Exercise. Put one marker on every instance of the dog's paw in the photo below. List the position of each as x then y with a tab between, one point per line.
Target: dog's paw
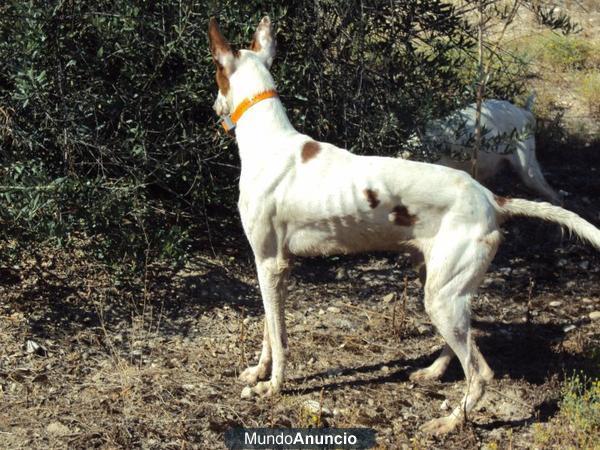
265	389
440	426
253	374
262	389
427	374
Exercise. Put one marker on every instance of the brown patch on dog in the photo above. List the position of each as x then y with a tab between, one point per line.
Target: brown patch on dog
222	79
255	44
400	216
310	150
371	198
219	45
501	200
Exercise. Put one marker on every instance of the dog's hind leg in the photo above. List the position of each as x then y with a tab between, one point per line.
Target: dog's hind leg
436	369
455	267
262	370
272	277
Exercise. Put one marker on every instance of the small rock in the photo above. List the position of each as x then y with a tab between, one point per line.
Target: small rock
341	274
314	407
333	309
311	361
569	328
34	347
562	262
321	312
344	324
555	303
595	315
246	392
585	265
587	300
247	321
445	406
422	329
385	369
389	297
57	429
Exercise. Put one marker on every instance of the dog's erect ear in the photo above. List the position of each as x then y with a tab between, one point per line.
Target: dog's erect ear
220	48
263	43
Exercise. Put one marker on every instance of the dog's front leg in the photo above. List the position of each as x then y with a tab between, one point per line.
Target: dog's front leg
262	370
272	277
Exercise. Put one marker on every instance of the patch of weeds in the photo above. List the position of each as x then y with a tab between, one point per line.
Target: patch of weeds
567	52
559	52
588	89
577	424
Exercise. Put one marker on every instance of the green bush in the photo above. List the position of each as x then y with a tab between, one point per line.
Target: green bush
106	124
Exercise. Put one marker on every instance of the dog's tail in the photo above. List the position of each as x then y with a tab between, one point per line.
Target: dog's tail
508	207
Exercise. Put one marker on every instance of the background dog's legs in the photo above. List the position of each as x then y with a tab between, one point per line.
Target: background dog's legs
272	277
262	370
455	268
526	165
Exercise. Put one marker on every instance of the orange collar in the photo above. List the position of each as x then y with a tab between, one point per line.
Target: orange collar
230	121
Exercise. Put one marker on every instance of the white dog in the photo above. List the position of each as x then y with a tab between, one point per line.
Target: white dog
303	197
507	138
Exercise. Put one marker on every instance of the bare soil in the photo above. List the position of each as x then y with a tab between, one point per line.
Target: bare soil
152	361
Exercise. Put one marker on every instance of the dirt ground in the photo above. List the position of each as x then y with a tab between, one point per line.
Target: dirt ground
152	362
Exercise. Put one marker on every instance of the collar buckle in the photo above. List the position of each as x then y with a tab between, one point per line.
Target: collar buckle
227	123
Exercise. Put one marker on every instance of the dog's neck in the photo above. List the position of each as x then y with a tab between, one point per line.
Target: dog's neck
262	124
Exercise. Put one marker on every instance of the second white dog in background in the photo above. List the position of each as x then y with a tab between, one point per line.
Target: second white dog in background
507	138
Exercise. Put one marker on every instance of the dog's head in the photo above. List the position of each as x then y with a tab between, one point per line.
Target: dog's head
241	73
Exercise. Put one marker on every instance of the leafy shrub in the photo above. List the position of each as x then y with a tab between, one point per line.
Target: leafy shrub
106	123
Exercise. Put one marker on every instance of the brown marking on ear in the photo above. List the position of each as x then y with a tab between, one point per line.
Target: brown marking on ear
371	198
310	150
255	44
501	200
218	44
222	80
400	216
216	40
